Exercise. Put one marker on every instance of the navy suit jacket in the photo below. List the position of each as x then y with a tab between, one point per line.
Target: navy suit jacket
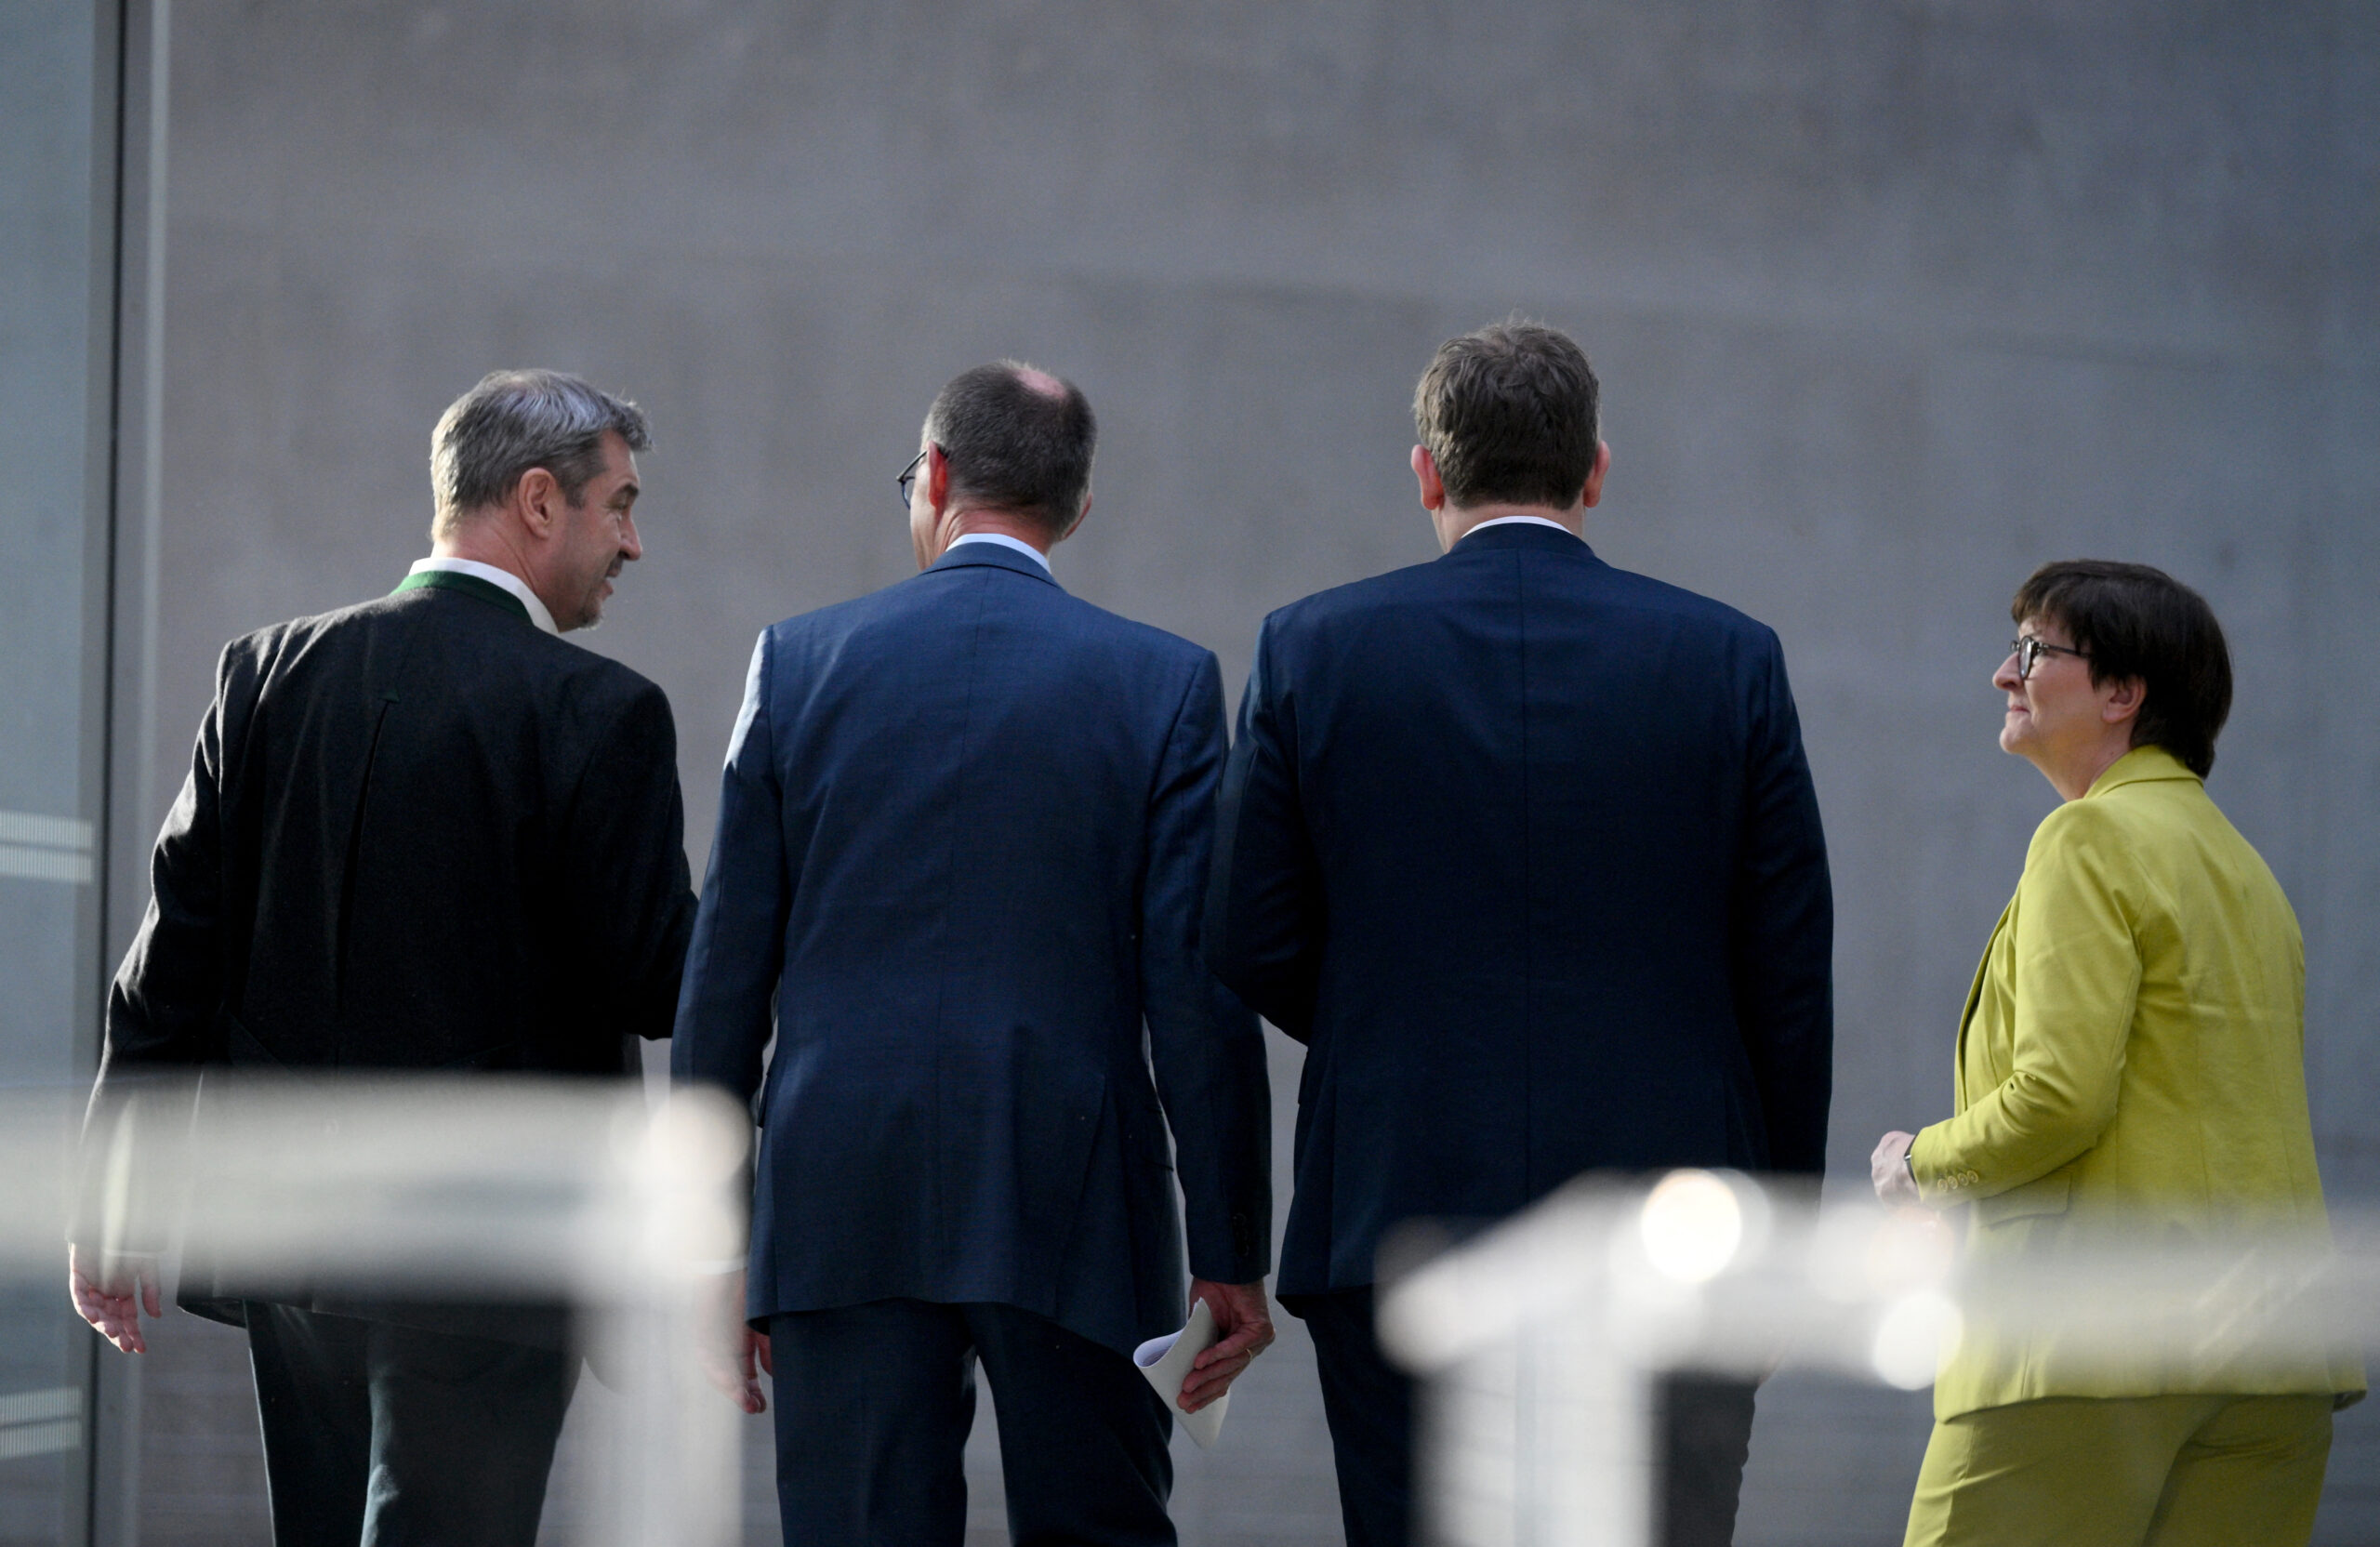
1524	847
963	835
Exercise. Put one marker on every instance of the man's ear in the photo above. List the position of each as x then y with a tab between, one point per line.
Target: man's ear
937	475
1051	536
2124	699
1594	491
1425	471
538	499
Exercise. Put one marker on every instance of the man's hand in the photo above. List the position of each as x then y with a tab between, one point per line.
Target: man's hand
111	1295
1246	1329
1889	1169
730	1347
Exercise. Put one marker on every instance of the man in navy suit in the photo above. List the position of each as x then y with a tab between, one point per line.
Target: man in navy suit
963	835
1524	849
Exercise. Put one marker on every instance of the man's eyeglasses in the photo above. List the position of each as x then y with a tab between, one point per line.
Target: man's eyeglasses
910	476
2029	652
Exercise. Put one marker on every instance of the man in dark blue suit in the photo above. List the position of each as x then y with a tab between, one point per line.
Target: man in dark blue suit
963	835
1524	849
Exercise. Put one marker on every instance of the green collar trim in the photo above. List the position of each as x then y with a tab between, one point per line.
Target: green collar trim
469	585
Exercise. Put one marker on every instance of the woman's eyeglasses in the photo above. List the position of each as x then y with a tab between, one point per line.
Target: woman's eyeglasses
2029	652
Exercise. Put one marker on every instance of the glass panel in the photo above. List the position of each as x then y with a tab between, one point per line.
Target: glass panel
55	257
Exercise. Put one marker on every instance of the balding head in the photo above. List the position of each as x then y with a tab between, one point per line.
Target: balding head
1040	383
1019	440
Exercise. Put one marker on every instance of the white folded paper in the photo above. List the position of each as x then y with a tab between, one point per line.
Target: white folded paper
1166	1362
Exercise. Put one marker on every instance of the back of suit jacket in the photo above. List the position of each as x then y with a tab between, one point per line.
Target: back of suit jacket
418	834
962	838
1524	847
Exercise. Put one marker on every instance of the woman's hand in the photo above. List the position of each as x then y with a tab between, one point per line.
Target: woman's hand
1888	1168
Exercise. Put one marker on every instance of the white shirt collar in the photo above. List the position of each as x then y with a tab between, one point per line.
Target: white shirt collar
495	576
1509	520
1005	541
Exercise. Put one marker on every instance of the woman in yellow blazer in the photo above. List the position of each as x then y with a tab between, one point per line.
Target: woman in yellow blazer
2131	1065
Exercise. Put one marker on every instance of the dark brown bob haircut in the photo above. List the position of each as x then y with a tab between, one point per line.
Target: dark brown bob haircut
1509	415
1015	447
2135	621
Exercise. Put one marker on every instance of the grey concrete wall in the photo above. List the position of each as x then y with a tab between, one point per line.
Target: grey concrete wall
54	257
1893	303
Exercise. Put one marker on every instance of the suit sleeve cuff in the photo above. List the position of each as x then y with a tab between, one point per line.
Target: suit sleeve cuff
1246	1257
1943	1177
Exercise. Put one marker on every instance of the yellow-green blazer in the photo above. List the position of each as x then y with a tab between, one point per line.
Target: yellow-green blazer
2131	1065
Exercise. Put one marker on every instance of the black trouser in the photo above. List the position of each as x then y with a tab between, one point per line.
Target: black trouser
873	1403
392	1437
1702	1428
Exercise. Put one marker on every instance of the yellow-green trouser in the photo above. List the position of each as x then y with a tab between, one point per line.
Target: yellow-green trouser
2125	1472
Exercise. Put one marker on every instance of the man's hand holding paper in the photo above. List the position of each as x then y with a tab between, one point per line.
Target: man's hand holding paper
1244	1330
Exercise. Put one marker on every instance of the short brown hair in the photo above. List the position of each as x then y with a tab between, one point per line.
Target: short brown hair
2135	621
1509	415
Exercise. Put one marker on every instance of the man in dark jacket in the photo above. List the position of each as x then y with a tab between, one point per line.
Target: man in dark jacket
1524	849
423	833
963	835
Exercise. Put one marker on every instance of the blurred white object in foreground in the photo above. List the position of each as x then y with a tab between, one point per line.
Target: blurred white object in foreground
1538	1342
485	1189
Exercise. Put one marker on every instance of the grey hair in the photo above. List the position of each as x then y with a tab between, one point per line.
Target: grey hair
514	421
